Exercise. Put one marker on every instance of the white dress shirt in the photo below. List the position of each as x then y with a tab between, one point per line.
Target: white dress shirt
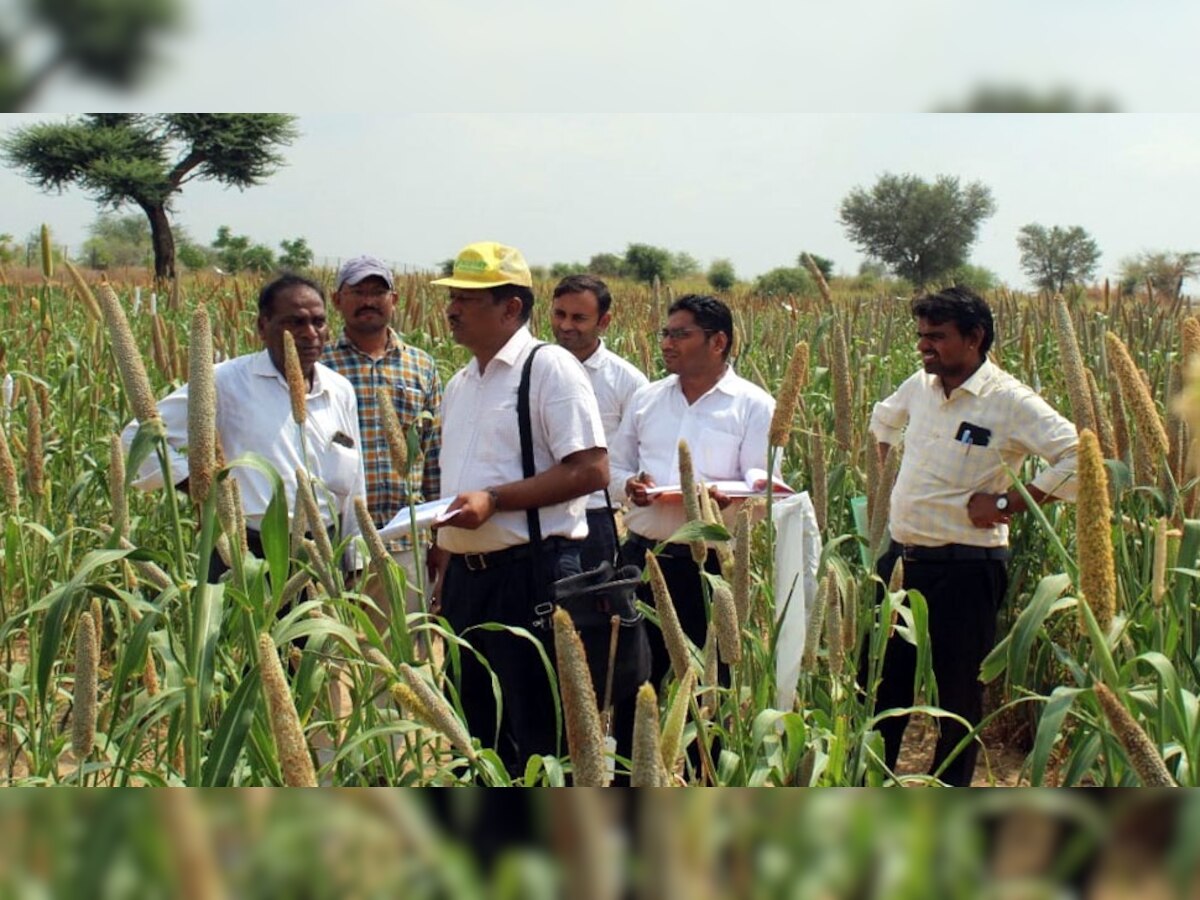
939	473
615	380
726	430
254	413
481	441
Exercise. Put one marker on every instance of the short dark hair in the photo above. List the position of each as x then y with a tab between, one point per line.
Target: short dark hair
960	305
502	293
710	314
281	283
577	284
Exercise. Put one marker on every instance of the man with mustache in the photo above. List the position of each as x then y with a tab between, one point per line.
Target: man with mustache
372	356
966	425
491	575
254	413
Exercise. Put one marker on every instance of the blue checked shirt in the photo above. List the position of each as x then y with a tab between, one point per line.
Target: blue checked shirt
410	377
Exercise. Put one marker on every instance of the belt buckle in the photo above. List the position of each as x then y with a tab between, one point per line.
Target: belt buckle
475	562
908	553
543	613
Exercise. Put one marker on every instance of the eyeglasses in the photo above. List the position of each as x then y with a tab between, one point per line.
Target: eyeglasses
679	334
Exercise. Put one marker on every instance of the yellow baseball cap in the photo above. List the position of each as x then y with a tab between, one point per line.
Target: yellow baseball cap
488	264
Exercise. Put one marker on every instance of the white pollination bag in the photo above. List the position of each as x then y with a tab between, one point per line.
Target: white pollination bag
797	555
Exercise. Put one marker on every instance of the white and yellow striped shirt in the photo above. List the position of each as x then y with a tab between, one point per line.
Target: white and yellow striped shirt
939	473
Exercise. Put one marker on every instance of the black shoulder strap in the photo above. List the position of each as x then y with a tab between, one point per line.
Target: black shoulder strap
526	427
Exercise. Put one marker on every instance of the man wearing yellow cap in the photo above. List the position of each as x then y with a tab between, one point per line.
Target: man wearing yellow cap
490	574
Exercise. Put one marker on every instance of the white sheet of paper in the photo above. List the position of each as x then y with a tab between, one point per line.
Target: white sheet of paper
427	513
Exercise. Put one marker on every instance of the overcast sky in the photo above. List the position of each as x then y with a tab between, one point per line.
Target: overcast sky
662	55
754	188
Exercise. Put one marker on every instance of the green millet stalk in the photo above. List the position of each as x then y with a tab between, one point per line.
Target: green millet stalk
834	639
1093	533
725	619
393	432
850	628
84	292
585	737
820	480
442	716
1119	419
882	507
1158	579
741	564
83	713
819	277
1149	424
843	412
789	397
1108	440
312	513
202	408
297	384
691	500
294	586
128	358
294	759
118	499
1072	364
35	461
1189	333
47	253
672	732
8	475
647	767
816	622
672	631
1139	749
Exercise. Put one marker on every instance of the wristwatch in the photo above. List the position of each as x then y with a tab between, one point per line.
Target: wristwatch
1002	503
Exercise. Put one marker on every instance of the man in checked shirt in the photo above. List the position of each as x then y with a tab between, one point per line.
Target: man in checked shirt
371	355
963	420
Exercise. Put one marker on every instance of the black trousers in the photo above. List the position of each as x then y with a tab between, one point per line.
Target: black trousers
601	542
507	594
963	598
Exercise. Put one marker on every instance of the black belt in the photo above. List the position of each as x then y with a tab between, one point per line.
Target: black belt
673	551
948	553
478	562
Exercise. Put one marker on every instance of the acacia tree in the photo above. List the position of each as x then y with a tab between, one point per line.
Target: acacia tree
147	159
1055	257
921	231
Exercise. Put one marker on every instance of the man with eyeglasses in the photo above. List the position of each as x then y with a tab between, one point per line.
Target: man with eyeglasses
724	420
372	356
580	314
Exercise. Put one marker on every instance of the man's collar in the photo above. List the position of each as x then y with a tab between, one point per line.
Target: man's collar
514	346
597	358
509	353
393	342
726	384
980	378
976	384
261	364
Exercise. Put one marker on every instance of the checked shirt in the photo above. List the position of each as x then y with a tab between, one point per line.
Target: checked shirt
409	376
